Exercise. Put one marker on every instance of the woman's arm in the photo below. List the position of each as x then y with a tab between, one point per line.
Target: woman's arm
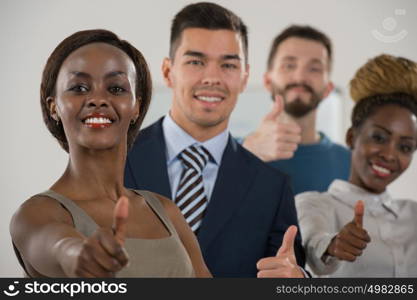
316	219
43	232
187	237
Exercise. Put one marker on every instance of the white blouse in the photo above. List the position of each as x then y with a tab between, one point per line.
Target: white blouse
391	224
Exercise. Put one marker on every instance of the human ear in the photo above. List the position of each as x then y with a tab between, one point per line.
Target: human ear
51	104
329	89
267	81
245	78
137	109
166	71
350	138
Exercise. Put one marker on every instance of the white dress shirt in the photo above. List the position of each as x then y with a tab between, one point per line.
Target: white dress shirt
176	140
391	224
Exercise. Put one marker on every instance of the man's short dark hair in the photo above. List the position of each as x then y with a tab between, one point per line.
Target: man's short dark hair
304	32
207	16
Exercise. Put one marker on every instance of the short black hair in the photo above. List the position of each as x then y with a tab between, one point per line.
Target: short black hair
299	31
207	16
72	43
366	107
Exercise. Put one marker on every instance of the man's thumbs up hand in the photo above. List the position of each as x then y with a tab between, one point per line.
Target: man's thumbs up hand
275	137
284	264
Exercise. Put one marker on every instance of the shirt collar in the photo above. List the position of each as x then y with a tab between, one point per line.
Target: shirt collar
177	140
350	193
324	139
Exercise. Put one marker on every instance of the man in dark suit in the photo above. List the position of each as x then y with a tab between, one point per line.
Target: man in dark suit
240	209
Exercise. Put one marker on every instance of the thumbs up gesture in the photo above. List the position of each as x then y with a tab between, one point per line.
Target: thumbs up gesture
103	253
276	137
284	264
350	242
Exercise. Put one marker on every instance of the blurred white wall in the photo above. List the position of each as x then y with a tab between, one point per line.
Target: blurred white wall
31	160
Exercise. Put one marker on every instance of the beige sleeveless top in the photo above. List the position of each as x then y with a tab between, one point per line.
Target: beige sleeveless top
164	257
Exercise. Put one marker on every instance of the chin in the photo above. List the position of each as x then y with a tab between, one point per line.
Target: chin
209	122
96	148
376	186
100	145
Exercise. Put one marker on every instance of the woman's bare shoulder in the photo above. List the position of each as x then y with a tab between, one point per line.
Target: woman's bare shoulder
167	203
40	208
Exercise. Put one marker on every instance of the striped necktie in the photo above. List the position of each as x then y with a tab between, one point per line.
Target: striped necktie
190	196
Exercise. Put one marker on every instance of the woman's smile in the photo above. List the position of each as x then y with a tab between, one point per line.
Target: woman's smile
97	121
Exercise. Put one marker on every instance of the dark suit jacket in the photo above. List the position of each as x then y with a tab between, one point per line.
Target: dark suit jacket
249	211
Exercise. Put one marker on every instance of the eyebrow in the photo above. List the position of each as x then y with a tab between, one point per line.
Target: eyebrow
312	61
194	54
289	57
80	74
232	56
316	61
390	133
202	55
86	75
115	73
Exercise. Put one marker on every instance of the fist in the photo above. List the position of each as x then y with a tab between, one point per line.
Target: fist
352	239
275	138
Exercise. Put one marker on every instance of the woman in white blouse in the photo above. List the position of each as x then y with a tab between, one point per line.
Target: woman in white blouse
356	229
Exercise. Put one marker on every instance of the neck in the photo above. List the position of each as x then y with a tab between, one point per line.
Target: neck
309	135
94	174
199	132
355	180
202	133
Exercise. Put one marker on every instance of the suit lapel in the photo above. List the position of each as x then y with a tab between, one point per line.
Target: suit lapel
234	178
148	161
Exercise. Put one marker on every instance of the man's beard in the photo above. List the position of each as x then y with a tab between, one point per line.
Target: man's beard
298	108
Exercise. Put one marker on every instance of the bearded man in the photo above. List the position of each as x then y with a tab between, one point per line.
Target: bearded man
298	78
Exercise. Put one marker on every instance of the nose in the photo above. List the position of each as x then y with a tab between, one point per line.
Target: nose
388	152
211	75
97	99
299	75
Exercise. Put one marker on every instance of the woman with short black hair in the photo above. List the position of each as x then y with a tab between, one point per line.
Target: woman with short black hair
95	92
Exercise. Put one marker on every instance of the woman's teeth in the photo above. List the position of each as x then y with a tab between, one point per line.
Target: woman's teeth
97	121
381	169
